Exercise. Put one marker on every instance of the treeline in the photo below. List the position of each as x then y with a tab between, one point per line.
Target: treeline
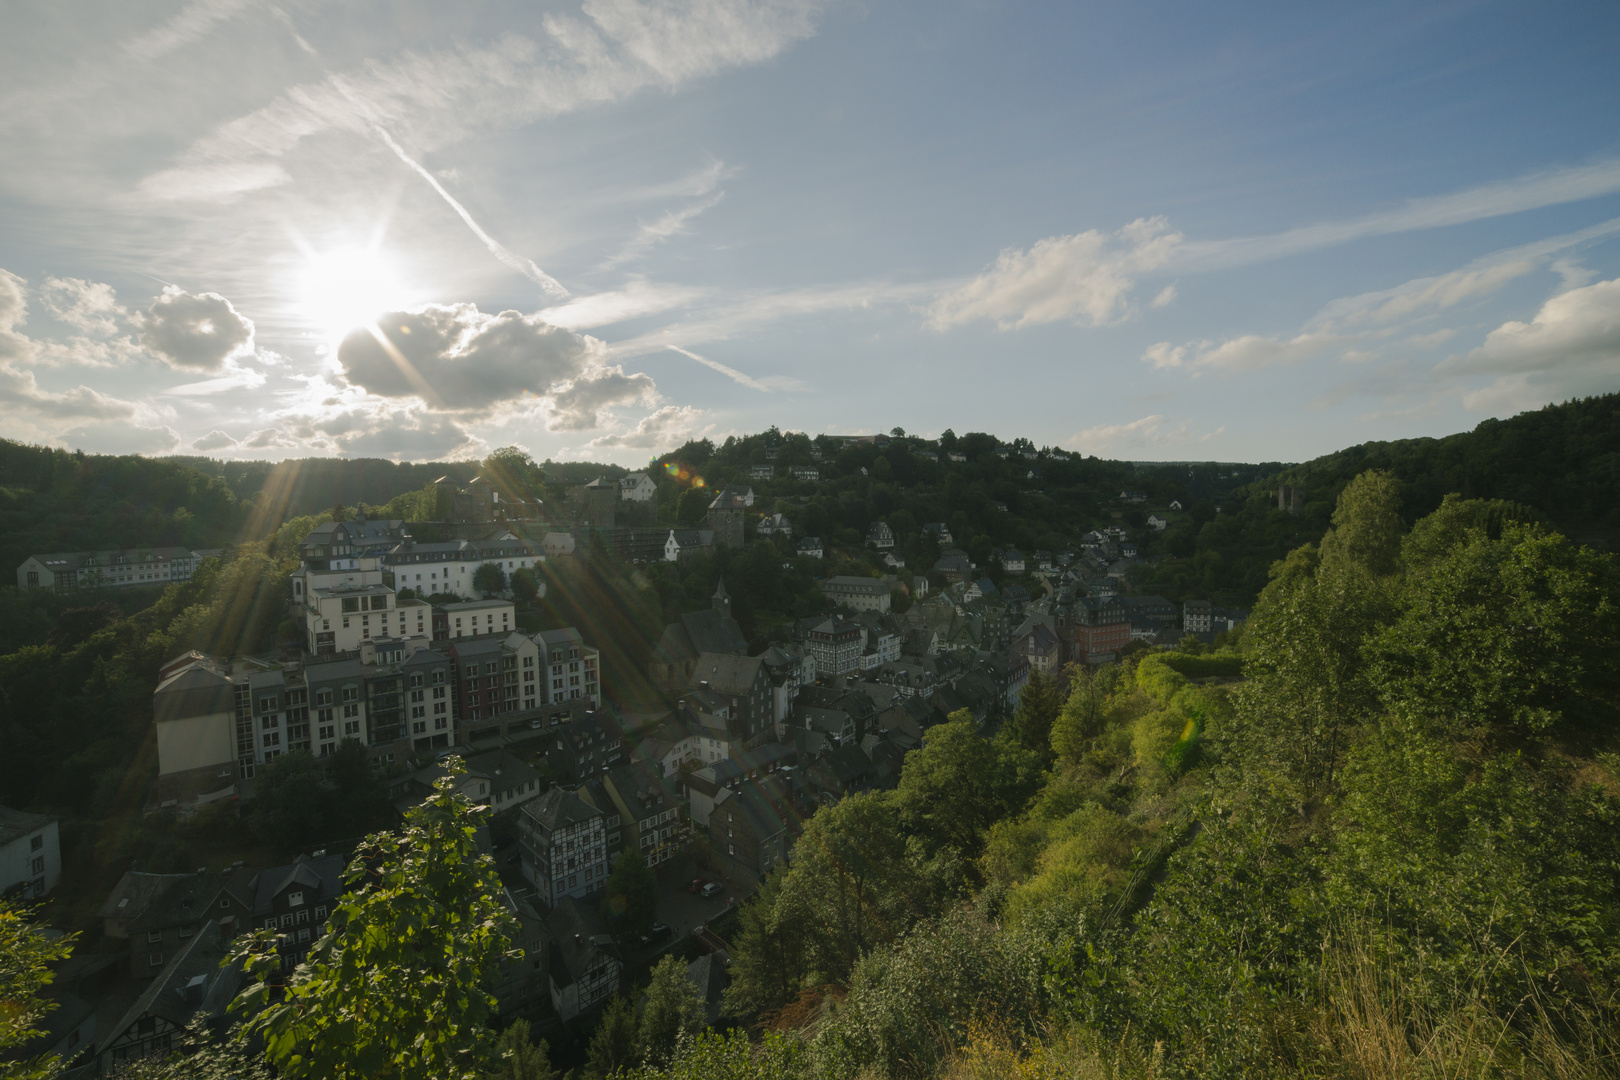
1390	850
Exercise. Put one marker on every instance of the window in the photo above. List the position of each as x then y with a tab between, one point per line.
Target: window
187	931
295	899
36	843
286	920
154	936
155	959
351	693
320	913
440	723
272	738
224	902
303	935
37	865
323	697
270	923
351	710
303	916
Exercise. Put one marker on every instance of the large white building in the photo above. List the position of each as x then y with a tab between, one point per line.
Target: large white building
124	568
449	568
30	853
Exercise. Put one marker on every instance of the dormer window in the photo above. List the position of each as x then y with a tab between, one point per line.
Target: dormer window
295	899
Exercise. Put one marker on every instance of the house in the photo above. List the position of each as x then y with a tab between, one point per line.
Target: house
761	472
956	455
30	854
954	564
1040	648
744	685
495	779
1175	504
776	523
1012	561
638	487
449	568
939	531
193	981
581	749
471	618
296	899
692	635
572	670
805	472
685	543
1157	523
1196	616
562	846
810	546
157	914
749	831
584	965
1101	628
708	973
557	544
836	647
125	568
648	809
880	536
857	593
790	667
1131	495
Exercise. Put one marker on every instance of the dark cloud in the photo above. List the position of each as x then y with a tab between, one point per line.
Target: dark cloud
458	358
195	331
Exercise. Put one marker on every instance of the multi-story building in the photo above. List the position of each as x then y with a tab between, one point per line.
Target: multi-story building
1102	627
472	618
1196	616
790	667
123	568
296	901
858	593
572	669
748	830
562	844
836	647
648	809
585	968
744	685
30	853
637	487
726	513
880	536
490	687
449	568
156	914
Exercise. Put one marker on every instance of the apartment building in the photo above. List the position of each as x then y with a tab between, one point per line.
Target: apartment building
123	568
562	845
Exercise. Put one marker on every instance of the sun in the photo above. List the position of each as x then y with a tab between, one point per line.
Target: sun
347	288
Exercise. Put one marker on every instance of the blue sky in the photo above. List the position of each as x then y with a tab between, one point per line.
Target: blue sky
1152	231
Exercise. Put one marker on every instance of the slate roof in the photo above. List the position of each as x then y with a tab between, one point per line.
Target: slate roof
191	982
699	632
323	874
559	808
728	674
577	938
15	823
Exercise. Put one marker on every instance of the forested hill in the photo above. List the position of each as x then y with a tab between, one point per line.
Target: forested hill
1563	460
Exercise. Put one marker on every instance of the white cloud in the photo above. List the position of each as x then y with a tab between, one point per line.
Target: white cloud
121	438
1429	341
19	387
1549	188
1086	278
729	372
665	429
1247	353
190	23
429	100
1166	297
214	440
1424	294
638	298
650	235
1150	432
195	331
579	405
91	306
1571	347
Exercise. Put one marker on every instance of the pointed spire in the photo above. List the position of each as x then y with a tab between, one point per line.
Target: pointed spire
721	601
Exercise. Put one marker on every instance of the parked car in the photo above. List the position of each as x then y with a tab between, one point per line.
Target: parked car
658	933
696	885
711	889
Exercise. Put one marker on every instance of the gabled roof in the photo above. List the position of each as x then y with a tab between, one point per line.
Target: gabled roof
558	809
135	893
15	823
578	940
323	874
192	982
726	673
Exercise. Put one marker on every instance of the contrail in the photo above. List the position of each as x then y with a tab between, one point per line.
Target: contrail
730	372
523	266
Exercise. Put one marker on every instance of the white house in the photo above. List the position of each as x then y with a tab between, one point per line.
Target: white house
427	569
1012	561
775	523
811	546
30	853
1157	522
126	568
637	487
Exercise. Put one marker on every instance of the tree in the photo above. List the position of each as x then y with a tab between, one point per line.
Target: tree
358	796
524	585
290	801
1081	718
631	899
517	1058
614	1045
1367	525
489	579
673	1009
395	988
1038	706
25	958
693	505
955	787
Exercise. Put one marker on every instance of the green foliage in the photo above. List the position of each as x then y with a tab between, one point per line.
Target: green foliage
525	586
489	579
957	785
515	1057
1038	706
734	1056
672	1011
631	899
613	1046
25	958
1367	526
395	986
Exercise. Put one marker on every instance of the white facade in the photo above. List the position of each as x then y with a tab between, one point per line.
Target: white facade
476	617
637	487
127	568
30	853
427	569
